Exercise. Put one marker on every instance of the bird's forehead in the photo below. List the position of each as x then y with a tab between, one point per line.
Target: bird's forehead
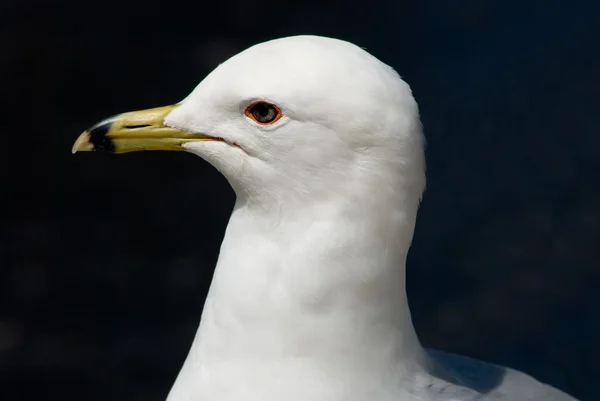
294	71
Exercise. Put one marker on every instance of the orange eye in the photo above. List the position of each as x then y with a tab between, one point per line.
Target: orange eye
263	113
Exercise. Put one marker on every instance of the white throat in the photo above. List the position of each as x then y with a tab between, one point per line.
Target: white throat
300	297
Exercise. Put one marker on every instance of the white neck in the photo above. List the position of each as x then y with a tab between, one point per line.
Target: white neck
312	293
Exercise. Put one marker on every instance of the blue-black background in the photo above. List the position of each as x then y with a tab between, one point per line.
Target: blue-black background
106	260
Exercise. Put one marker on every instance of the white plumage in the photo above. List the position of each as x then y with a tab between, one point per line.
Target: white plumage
308	299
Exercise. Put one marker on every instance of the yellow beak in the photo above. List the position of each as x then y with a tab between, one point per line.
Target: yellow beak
136	131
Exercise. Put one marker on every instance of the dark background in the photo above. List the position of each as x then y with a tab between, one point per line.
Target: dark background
106	260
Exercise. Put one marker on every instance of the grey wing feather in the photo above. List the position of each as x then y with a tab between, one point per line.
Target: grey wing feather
492	382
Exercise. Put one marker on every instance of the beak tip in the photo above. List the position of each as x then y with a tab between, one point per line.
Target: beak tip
83	144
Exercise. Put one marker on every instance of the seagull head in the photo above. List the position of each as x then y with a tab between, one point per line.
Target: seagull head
296	118
323	146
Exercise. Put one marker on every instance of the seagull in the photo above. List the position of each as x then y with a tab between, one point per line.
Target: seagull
323	145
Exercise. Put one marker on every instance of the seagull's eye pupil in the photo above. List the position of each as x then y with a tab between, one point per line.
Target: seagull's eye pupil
263	112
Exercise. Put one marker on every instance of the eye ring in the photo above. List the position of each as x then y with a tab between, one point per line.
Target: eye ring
263	113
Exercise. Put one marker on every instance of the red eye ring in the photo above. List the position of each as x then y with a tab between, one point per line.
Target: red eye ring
263	113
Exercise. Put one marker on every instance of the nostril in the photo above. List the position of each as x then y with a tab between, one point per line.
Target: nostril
137	126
